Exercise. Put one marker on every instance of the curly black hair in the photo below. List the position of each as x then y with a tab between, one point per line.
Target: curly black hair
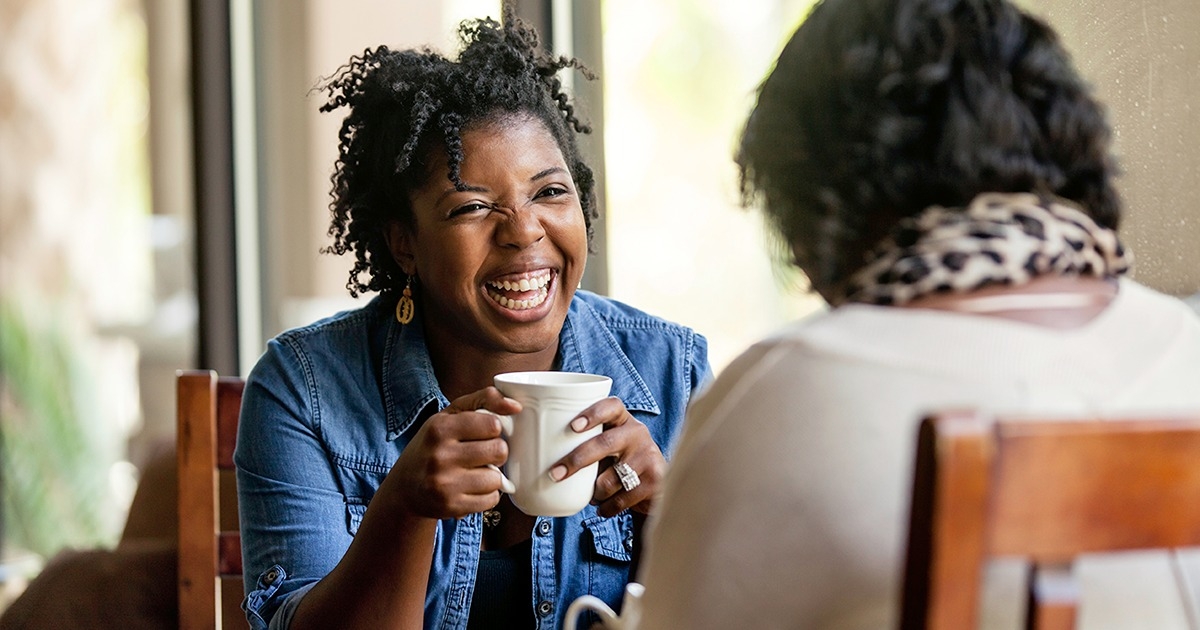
877	109
406	106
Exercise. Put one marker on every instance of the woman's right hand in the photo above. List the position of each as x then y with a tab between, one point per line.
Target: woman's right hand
443	472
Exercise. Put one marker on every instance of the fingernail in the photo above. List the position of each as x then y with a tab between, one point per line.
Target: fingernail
558	472
579	424
511	401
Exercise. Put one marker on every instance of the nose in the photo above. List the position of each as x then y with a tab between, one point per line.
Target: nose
520	228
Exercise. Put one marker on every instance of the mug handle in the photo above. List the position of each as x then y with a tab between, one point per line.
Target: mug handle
506	427
608	618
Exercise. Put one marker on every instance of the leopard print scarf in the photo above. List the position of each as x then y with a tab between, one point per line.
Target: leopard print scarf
999	238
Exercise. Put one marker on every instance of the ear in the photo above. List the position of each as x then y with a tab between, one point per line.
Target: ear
400	243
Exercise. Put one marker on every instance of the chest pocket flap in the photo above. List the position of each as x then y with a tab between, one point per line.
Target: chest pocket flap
612	537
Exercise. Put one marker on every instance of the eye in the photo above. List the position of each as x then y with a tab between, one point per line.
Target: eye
554	190
469	208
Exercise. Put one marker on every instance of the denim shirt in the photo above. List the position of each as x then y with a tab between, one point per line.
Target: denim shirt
329	408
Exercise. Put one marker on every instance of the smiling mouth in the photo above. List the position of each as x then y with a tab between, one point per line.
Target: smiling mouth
521	292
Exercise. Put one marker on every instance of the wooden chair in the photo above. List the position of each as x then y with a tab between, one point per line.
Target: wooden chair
1047	491
209	545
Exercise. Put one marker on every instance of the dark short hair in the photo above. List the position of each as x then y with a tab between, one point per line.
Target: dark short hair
405	106
878	109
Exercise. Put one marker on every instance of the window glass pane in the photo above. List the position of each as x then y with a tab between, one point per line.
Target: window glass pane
95	294
679	80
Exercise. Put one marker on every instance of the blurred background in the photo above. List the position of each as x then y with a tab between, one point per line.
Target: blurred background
164	179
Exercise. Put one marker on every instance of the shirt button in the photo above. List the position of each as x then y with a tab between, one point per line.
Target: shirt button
270	576
545	608
629	543
543	528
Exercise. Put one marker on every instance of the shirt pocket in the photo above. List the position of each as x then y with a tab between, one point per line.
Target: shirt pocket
606	547
612	538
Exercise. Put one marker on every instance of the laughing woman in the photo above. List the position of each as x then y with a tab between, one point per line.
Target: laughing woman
363	465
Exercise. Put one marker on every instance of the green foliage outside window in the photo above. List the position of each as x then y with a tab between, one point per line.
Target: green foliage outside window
54	477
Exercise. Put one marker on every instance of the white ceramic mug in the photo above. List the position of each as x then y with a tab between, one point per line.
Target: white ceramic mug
541	434
631	610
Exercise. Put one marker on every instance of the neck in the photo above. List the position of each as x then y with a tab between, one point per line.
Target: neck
462	368
1050	301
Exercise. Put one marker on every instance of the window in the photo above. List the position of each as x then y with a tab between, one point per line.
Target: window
679	80
95	286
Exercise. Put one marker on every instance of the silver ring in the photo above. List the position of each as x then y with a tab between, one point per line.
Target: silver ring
628	476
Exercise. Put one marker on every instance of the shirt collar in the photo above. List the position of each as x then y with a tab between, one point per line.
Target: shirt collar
409	385
584	345
587	345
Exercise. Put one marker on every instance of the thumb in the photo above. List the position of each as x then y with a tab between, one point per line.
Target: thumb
488	398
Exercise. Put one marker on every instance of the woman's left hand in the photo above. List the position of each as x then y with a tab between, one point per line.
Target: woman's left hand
624	440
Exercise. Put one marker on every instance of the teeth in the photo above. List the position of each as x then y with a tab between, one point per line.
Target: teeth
520	305
524	284
535	283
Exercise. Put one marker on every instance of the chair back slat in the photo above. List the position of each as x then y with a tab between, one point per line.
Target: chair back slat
207	415
1046	490
229	404
1067	488
229	555
945	546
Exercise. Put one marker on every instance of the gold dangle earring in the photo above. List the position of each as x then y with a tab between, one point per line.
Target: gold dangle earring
405	308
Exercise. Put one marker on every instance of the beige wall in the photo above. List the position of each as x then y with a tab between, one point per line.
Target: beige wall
298	43
1143	57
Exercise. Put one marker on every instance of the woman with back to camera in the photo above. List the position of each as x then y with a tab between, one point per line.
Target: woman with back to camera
363	466
943	176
